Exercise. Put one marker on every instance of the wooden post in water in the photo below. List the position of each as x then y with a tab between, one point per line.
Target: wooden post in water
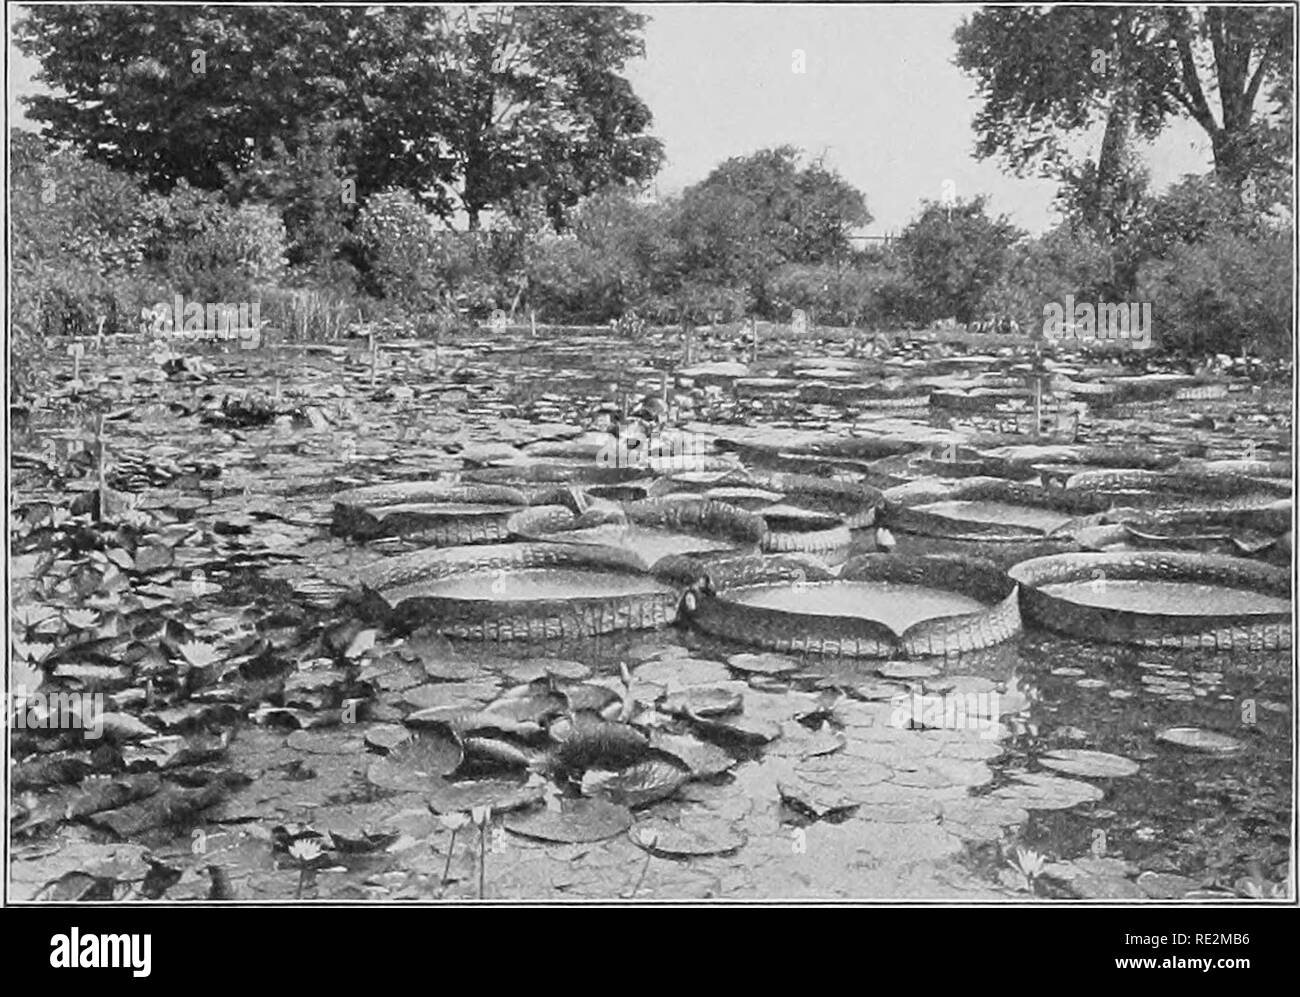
688	338
103	468
754	355
374	360
532	322
1038	405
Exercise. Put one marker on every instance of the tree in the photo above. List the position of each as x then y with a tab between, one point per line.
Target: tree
462	110
1044	270
533	99
952	256
79	234
755	213
310	189
172	92
1045	72
1224	293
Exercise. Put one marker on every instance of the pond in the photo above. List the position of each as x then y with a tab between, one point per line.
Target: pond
249	709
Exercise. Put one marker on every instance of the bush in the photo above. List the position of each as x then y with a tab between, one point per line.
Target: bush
396	237
1043	271
573	282
1223	294
833	294
79	235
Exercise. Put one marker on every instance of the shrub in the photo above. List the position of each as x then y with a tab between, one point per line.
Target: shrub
78	231
1225	293
396	237
1044	270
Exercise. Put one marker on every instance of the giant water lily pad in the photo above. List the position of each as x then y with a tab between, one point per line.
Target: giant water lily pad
1094	764
577	821
1036	791
1200	739
688	836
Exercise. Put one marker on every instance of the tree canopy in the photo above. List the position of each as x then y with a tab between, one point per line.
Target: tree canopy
1044	72
465	109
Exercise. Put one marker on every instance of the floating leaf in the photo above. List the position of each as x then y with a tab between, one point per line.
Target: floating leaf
688	836
1037	791
577	821
499	794
676	673
590	742
654	778
703	759
497	751
1200	739
589	697
414	765
763	664
1096	764
703	701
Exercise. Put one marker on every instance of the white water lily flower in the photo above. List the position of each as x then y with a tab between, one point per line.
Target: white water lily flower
1029	862
306	849
454	821
81	619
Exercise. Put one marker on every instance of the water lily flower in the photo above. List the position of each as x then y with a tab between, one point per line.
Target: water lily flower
453	822
481	815
1029	862
306	849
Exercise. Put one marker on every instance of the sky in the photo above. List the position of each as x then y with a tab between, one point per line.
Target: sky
880	100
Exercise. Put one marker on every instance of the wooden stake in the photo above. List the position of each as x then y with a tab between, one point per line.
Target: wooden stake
1038	406
103	470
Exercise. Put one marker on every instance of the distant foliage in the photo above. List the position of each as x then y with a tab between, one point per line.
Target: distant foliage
848	294
952	257
79	234
1043	271
397	238
1223	293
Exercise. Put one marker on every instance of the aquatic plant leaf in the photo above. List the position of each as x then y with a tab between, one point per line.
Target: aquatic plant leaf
1096	764
577	821
688	836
